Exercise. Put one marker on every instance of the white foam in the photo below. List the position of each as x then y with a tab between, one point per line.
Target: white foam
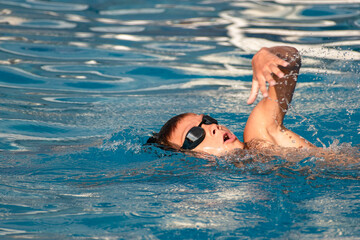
117	29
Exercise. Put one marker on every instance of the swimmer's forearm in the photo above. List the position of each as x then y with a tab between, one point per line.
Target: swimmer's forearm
285	86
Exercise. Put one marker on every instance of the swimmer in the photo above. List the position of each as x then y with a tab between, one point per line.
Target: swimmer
277	66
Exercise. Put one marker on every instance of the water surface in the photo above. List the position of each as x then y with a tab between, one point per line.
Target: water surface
84	83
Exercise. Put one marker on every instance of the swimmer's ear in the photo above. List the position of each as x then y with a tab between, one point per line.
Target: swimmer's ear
153	139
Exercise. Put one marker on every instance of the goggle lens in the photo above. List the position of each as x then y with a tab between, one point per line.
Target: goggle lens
196	135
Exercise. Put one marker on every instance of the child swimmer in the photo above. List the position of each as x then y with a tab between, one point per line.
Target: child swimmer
279	66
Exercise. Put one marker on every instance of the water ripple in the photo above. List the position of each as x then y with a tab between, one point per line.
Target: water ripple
71	53
133	11
84	83
42	5
44	23
118	29
178	47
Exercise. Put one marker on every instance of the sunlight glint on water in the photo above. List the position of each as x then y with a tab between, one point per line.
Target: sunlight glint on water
84	83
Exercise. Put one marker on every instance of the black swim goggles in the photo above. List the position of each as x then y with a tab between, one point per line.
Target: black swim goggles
197	134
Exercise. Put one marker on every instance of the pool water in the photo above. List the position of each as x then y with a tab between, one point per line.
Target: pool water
84	84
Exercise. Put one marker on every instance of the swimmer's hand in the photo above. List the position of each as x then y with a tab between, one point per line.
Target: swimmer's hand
264	64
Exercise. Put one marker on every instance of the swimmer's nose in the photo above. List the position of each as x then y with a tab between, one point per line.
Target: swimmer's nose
213	129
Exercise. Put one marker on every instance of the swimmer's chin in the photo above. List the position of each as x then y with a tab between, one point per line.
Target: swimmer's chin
217	152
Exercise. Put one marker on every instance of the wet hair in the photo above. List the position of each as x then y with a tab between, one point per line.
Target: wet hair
162	137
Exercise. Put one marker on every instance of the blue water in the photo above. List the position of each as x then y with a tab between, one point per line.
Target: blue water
84	83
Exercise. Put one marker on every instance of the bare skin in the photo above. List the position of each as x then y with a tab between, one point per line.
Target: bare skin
279	66
265	122
213	143
264	131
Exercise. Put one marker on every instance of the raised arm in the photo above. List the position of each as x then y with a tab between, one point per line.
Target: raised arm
280	67
265	64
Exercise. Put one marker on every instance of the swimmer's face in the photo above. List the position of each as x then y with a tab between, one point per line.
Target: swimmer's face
218	139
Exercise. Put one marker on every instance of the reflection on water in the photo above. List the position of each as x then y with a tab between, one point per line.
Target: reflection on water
84	83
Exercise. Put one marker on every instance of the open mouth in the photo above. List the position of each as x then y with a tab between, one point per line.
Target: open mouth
226	137
229	137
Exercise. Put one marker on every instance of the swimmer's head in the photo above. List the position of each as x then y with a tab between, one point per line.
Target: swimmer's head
162	138
198	133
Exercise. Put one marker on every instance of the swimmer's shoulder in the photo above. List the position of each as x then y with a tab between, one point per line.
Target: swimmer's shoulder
260	144
326	156
266	148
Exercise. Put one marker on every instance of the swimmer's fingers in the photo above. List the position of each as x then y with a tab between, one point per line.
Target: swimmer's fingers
281	62
266	75
275	70
259	83
265	64
274	66
262	79
254	91
269	77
